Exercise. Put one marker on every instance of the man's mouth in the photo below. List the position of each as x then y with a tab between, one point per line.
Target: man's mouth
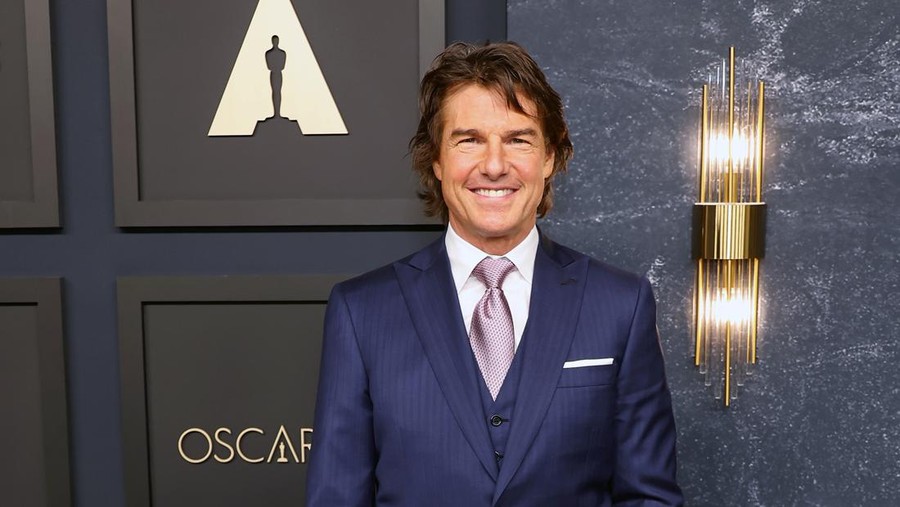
488	192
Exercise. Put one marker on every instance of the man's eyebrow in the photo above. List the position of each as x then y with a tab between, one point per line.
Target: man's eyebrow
508	134
464	133
521	133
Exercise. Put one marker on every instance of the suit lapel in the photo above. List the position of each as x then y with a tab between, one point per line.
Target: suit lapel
427	285
557	290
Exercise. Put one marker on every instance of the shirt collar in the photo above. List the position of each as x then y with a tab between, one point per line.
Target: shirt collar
464	256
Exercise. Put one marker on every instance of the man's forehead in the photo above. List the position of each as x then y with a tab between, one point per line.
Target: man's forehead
498	94
470	100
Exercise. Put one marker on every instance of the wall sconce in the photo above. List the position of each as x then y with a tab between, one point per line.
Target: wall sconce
729	228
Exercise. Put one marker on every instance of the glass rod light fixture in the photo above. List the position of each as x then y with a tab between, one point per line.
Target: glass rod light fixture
729	227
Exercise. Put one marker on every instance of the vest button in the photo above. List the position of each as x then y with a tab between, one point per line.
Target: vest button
496	420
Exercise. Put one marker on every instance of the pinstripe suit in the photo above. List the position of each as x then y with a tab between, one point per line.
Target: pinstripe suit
399	421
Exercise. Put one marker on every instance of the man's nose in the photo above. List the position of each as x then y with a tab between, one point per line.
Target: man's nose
495	160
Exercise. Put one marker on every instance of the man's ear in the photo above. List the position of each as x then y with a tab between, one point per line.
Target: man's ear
547	170
438	170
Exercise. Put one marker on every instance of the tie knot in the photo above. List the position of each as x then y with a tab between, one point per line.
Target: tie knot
491	272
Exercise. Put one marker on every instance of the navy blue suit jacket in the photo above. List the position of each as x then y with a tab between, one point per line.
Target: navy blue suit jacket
399	419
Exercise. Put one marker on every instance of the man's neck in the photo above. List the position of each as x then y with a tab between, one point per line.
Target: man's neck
464	256
498	246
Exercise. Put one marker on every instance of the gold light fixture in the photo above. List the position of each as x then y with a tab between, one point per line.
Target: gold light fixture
729	228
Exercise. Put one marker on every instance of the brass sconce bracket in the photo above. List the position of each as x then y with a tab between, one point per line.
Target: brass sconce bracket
729	230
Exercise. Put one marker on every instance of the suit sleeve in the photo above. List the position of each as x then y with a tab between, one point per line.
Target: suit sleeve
342	460
645	425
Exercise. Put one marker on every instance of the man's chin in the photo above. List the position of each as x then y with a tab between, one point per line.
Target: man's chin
502	233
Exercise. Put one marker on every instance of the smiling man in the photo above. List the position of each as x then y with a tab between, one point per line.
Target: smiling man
492	165
494	367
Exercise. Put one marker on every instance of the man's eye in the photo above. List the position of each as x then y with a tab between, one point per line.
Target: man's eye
468	142
519	140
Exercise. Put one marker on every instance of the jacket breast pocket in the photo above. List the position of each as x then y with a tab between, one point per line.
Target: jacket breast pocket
588	376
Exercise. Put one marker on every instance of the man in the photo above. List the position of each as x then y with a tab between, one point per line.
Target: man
494	367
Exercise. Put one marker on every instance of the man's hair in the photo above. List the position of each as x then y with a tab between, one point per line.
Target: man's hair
502	67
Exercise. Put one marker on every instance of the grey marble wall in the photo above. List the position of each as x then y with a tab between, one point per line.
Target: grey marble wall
820	422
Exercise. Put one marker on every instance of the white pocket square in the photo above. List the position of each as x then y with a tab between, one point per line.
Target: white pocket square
581	363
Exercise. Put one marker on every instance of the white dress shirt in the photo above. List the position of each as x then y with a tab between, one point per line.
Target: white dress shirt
516	287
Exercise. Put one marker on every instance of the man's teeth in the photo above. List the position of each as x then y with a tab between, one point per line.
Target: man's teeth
493	193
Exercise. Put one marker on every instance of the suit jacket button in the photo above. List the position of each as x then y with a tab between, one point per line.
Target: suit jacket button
498	456
496	420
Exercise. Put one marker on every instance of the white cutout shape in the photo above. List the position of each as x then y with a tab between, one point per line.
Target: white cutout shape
306	97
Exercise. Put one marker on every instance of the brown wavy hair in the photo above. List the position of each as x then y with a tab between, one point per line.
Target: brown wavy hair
506	68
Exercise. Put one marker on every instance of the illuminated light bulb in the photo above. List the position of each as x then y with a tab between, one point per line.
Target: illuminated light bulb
741	148
731	308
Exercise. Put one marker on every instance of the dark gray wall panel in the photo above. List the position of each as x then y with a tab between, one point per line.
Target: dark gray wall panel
820	424
233	366
167	81
28	192
23	480
15	117
183	63
34	453
206	360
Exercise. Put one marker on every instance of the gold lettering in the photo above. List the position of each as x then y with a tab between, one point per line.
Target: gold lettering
222	437
238	445
181	446
282	433
304	444
225	445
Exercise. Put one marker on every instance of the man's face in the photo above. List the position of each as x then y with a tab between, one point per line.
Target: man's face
492	165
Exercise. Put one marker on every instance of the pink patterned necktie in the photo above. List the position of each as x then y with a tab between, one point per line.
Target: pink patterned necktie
491	334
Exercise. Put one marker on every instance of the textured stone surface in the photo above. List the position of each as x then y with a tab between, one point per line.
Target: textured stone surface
820	422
